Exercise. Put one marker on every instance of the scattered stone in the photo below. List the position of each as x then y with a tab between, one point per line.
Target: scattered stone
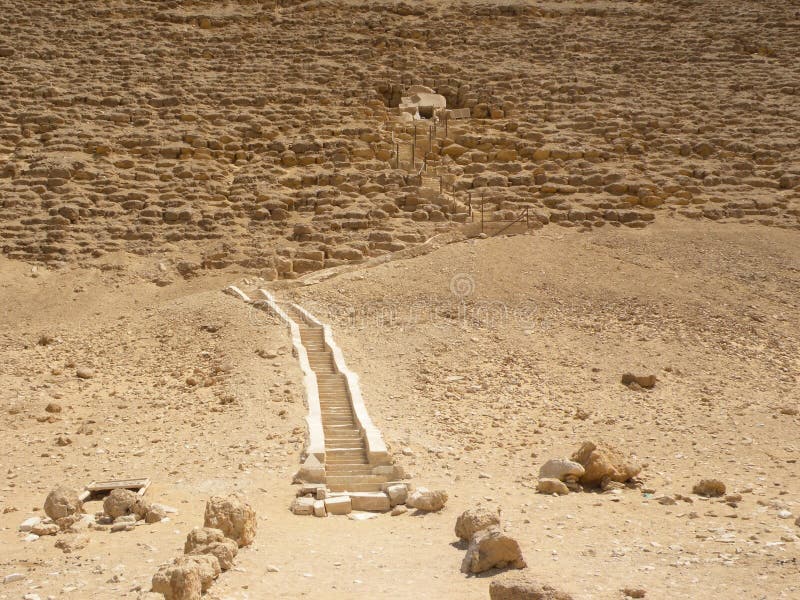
473	520
122	502
401	510
187	577
62	502
782	514
561	469
234	516
123	526
521	585
155	514
303	505
53	407
13	577
710	488
43	529
602	461
207	540
398	493
489	549
84	372
634	592
789	410
426	500
72	542
372	501
29	523
643	381
552	486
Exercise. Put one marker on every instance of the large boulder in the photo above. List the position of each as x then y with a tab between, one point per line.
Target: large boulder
473	520
234	516
521	585
602	462
561	469
187	577
205	540
121	502
427	500
62	502
490	549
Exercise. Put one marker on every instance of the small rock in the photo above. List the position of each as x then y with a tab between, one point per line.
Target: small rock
401	510
84	372
521	585
122	502
602	461
634	592
710	488
426	500
207	540
53	407
13	577
789	410
782	514
62	502
561	469
473	520
72	542
489	549
29	524
552	486
187	577
43	529
644	381
234	516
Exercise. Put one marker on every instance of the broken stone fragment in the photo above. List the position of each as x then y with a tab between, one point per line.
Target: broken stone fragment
643	381
561	469
602	461
207	540
521	585
234	516
490	549
187	577
122	502
710	488
473	520
552	486
427	500
62	502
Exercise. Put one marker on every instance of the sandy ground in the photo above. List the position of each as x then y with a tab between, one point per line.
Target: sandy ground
477	398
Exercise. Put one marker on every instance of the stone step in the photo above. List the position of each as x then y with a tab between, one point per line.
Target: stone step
348	469
355	487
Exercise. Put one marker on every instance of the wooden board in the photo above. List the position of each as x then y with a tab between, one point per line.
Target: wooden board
106	487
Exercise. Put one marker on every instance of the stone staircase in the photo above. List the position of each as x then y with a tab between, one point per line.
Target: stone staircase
347	466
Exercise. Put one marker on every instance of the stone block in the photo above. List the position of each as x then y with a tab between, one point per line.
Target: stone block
338	505
371	501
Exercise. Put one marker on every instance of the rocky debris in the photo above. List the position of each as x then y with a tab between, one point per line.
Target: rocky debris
62	502
206	540
492	549
53	407
639	381
72	542
473	520
398	494
552	486
234	516
634	592
427	500
29	524
710	488
186	577
43	529
521	585
602	463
